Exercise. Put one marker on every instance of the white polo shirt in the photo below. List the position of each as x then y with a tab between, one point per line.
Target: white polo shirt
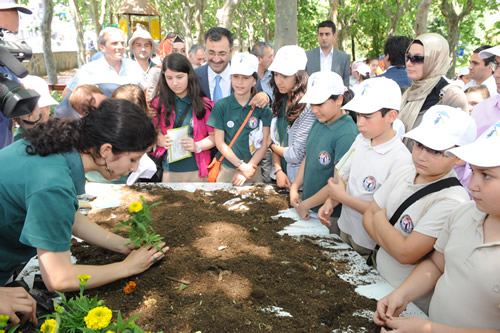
426	216
468	292
489	83
365	169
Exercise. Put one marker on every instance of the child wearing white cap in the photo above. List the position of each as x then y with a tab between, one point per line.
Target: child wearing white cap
241	161
415	227
331	135
464	269
292	120
376	153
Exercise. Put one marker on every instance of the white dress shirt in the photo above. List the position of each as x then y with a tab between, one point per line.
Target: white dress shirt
326	61
225	82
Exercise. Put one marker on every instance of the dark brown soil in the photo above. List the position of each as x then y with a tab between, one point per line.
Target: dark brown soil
229	288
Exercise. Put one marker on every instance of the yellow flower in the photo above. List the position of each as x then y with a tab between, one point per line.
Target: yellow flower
3	321
108	331
83	278
58	309
49	326
135	207
98	318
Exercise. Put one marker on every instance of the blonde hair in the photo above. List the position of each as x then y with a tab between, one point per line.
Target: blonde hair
81	98
132	93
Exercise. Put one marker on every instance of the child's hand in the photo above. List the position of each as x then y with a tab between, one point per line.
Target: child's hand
282	180
389	307
238	179
408	325
336	189
188	144
247	169
294	197
303	211
260	100
163	140
325	211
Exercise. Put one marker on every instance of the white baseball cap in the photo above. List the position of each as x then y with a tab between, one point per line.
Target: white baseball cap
463	71
492	51
141	33
244	63
322	85
484	151
363	69
289	60
39	85
375	94
444	127
11	4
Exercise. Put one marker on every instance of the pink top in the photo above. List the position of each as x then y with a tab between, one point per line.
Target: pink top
200	132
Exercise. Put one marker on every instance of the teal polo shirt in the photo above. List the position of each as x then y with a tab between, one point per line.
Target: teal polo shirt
326	144
228	115
187	164
37	203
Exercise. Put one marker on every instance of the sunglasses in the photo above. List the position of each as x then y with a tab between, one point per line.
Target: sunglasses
414	59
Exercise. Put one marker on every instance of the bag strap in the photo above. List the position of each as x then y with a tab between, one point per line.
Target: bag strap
183	116
239	131
434	187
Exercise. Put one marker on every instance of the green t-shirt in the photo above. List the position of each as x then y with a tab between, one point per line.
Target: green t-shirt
326	144
228	115
37	203
187	164
282	126
19	134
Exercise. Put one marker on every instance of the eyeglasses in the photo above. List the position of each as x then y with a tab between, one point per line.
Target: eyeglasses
414	59
436	154
174	34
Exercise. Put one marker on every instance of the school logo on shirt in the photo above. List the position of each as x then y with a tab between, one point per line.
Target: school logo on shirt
324	158
369	184
253	122
406	223
440	117
230	124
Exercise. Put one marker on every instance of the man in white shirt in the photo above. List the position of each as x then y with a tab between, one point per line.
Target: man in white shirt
481	72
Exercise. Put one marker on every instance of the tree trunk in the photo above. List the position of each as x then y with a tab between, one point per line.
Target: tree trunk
200	6
452	20
94	13
285	25
333	15
395	16
225	14
75	13
421	18
48	56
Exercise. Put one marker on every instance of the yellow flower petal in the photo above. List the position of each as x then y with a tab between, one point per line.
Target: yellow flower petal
135	207
98	318
49	326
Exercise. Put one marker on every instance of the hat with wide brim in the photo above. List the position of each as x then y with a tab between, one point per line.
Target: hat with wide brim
11	4
141	33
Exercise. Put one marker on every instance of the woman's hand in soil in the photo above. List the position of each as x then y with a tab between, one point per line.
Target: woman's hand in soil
141	259
282	180
238	179
163	140
247	169
389	307
17	300
188	144
408	325
325	212
303	211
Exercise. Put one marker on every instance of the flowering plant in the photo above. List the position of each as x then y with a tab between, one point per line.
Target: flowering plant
4	322
140	225
81	314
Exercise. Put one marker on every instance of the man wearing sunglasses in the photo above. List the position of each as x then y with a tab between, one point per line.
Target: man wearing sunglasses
394	60
481	71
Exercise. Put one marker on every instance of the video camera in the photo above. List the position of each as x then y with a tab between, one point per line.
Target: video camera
15	101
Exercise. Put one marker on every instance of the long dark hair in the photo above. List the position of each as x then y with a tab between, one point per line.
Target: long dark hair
116	121
294	108
179	63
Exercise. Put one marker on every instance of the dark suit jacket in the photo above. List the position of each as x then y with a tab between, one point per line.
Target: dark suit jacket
202	73
399	75
341	63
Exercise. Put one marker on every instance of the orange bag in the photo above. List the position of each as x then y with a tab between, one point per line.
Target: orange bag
214	166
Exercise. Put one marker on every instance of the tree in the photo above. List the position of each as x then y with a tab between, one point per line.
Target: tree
75	13
285	23
225	14
421	18
48	56
395	15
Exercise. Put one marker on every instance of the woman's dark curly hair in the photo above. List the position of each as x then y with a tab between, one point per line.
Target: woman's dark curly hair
179	63
116	121
293	107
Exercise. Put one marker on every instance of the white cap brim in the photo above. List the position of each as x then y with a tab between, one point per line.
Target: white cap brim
480	153
493	51
315	97
430	139
47	100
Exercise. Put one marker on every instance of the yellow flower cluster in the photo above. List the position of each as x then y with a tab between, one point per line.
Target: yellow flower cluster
98	318
3	320
83	278
135	207
49	326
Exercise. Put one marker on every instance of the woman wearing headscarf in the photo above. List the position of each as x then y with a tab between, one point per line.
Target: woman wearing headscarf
427	60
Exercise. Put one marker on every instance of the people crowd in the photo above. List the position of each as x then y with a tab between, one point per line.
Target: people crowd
403	164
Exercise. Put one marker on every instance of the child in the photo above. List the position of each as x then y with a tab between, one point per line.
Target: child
415	231
181	103
329	139
464	269
291	120
376	153
475	95
133	93
241	161
86	97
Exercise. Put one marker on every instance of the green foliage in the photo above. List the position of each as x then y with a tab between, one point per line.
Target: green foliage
140	225
309	15
4	322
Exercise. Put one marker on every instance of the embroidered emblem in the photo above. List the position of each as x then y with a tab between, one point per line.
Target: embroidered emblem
230	124
440	117
324	158
369	183
253	122
494	131
406	223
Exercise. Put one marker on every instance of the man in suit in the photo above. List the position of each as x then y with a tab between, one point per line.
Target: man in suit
394	60
326	57
214	76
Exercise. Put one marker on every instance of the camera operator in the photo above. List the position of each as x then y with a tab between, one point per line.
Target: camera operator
9	20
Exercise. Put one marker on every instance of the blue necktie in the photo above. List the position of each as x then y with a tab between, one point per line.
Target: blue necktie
217	89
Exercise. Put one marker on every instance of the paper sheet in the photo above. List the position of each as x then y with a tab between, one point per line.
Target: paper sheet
176	152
